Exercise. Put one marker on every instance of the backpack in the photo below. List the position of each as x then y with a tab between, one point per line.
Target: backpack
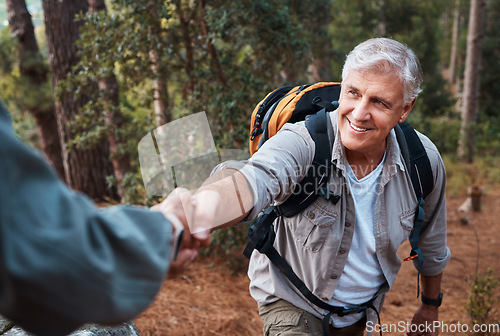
289	104
312	104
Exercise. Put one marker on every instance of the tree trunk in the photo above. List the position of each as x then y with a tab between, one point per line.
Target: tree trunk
86	170
114	118
189	63
382	25
470	106
211	49
454	42
160	89
321	48
161	97
32	66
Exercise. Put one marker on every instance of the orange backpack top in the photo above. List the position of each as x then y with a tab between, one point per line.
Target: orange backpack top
289	104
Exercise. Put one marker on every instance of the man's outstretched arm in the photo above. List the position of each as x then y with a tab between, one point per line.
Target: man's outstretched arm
223	200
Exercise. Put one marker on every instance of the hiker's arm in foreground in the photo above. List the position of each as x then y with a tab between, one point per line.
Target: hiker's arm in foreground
64	262
426	315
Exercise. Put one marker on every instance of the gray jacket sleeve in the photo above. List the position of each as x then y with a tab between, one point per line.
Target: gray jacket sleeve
63	262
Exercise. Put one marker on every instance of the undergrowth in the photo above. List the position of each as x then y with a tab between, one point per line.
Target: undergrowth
484	172
481	302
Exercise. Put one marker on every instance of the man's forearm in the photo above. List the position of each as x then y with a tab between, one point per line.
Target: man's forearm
431	286
223	200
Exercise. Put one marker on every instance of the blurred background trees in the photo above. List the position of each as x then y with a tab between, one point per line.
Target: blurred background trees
120	68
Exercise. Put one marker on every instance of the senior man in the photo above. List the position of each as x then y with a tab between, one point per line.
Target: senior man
344	252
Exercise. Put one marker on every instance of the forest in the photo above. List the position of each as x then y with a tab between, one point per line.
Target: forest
85	81
96	76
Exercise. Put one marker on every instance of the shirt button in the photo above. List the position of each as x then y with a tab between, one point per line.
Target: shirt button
333	276
348	224
311	215
342	251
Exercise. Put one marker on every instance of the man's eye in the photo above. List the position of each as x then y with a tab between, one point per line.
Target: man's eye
351	92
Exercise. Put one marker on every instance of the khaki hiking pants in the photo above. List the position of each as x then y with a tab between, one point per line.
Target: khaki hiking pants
281	318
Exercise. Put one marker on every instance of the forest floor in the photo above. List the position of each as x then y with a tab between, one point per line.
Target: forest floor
209	299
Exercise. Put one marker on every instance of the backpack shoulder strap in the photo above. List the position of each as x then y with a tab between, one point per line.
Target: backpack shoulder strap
260	233
418	163
318	173
417	160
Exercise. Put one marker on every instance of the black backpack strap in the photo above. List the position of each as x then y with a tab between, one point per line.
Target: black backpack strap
417	161
318	173
420	166
326	104
304	193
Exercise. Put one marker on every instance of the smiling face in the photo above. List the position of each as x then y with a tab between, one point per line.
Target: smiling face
370	105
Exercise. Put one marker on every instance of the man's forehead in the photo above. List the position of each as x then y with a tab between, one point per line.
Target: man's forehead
374	74
385	84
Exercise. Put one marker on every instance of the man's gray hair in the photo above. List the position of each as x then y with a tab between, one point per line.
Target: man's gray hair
386	54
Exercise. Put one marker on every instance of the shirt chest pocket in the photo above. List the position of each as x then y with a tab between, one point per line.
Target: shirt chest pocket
406	220
311	227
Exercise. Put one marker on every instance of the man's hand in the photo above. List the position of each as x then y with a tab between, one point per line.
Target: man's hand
423	321
180	204
178	207
185	257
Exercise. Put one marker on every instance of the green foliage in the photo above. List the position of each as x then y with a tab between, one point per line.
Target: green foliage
229	240
490	85
482	299
488	130
260	45
443	130
225	59
252	42
18	92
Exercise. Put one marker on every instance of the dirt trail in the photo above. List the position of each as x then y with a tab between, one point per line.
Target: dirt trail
208	300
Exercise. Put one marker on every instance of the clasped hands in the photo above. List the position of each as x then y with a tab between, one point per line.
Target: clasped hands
181	204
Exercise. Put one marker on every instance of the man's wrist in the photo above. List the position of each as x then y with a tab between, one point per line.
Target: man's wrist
177	232
432	302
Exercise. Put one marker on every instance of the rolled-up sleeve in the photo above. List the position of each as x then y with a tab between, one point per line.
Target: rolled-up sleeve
433	237
274	170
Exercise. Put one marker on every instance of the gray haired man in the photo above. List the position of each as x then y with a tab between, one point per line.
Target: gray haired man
345	253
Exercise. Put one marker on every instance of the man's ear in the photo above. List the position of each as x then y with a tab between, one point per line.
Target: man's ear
406	110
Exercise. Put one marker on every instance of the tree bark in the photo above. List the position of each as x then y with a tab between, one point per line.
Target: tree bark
32	66
161	99
470	106
189	62
86	170
382	26
454	42
160	90
211	49
321	47
114	118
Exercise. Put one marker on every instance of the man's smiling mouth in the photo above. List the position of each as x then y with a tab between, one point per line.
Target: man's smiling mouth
358	129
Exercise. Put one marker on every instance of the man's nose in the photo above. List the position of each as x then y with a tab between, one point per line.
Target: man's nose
361	110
